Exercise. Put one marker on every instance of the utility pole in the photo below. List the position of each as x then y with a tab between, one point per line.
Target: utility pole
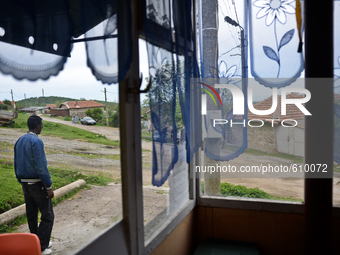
107	118
43	97
25	101
13	101
212	182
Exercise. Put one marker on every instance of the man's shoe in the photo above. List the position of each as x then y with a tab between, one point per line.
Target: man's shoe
46	251
49	244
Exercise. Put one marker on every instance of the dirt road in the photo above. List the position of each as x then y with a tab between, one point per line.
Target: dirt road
110	132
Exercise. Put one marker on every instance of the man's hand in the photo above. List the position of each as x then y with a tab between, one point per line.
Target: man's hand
50	194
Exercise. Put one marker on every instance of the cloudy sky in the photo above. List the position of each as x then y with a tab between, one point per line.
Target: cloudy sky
75	81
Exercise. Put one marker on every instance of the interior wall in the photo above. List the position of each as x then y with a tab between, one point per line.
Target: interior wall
272	232
180	240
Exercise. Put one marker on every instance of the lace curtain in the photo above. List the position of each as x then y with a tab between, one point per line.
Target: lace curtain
36	37
172	62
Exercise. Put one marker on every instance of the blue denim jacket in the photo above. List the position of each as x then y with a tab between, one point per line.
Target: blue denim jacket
30	162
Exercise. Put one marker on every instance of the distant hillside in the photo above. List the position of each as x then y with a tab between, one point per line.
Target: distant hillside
43	101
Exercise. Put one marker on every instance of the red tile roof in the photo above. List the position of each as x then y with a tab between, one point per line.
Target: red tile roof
292	111
82	104
51	105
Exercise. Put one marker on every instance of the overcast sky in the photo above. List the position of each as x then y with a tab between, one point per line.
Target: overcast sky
75	81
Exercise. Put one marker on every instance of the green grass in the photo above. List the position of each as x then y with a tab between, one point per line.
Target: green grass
94	156
294	159
228	189
147	136
65	132
21	121
9	228
11	191
72	133
5	146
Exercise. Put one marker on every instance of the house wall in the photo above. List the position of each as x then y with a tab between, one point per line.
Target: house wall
291	140
262	138
272	232
60	112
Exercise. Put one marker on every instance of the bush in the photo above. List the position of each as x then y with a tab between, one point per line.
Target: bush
228	189
114	119
95	113
4	107
68	118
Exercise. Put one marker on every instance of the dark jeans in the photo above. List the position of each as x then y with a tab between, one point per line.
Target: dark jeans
35	198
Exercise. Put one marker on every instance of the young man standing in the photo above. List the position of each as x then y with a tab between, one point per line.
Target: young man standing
31	170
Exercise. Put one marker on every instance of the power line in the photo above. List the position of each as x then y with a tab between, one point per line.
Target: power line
112	92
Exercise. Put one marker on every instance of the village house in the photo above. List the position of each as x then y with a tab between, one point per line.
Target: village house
273	136
35	110
75	108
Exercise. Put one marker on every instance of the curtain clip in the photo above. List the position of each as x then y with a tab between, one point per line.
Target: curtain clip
140	84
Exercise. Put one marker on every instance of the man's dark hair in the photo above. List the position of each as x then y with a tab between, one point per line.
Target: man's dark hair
33	121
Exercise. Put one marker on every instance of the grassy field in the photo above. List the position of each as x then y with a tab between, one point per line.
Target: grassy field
294	159
65	132
146	136
11	192
12	195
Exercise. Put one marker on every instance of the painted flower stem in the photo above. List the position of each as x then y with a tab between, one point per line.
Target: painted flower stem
278	50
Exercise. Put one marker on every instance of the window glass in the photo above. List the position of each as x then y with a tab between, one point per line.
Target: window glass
270	167
76	148
160	203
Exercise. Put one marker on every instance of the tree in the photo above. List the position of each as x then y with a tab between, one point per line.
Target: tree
144	107
161	96
114	118
95	113
7	102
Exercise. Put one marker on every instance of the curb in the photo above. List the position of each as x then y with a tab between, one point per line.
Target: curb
20	210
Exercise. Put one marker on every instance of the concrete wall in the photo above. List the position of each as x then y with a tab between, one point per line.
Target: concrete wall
291	140
262	138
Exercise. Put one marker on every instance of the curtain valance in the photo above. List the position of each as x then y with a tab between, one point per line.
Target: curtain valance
36	37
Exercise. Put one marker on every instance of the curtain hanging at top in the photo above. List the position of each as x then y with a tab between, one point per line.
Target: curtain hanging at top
36	37
102	54
274	42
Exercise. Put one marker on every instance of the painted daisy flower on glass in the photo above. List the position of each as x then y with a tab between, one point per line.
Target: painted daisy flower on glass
274	9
